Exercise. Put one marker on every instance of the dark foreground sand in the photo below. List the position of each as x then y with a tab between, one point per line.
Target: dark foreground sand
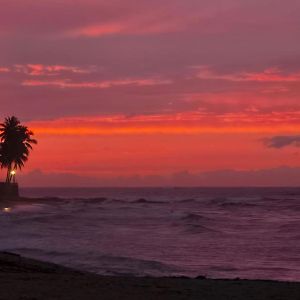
27	279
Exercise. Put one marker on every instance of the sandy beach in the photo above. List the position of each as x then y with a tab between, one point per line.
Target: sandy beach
23	278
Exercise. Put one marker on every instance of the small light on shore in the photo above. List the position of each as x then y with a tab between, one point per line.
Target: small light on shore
13	173
6	209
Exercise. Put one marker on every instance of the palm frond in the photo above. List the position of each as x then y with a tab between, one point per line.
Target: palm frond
15	143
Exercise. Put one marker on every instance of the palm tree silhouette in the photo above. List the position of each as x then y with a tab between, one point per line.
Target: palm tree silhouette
15	144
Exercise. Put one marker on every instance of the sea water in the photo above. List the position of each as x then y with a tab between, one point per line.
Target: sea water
251	233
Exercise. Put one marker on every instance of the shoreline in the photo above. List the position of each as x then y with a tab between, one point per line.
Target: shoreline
25	278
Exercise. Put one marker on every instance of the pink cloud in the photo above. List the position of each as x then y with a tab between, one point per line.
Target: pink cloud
96	18
65	83
40	69
151	24
268	75
4	70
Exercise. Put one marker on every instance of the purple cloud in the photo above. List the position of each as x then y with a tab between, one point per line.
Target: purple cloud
280	176
283	141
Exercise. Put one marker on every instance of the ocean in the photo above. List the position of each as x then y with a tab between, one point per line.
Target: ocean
249	233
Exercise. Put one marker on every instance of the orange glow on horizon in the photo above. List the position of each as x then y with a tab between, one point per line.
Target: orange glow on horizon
164	130
177	124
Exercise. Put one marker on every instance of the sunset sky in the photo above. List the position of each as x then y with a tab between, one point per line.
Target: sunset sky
161	92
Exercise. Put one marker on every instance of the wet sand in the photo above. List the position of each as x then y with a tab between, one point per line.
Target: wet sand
27	279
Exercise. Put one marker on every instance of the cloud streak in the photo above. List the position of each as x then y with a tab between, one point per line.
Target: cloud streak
134	26
46	70
173	124
50	70
268	75
66	83
4	70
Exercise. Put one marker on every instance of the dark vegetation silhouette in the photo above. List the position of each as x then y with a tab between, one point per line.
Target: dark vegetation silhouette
16	141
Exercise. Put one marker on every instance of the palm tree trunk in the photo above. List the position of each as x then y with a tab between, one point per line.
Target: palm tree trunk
13	177
8	175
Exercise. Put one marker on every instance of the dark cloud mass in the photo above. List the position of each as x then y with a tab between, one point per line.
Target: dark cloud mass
281	176
283	141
